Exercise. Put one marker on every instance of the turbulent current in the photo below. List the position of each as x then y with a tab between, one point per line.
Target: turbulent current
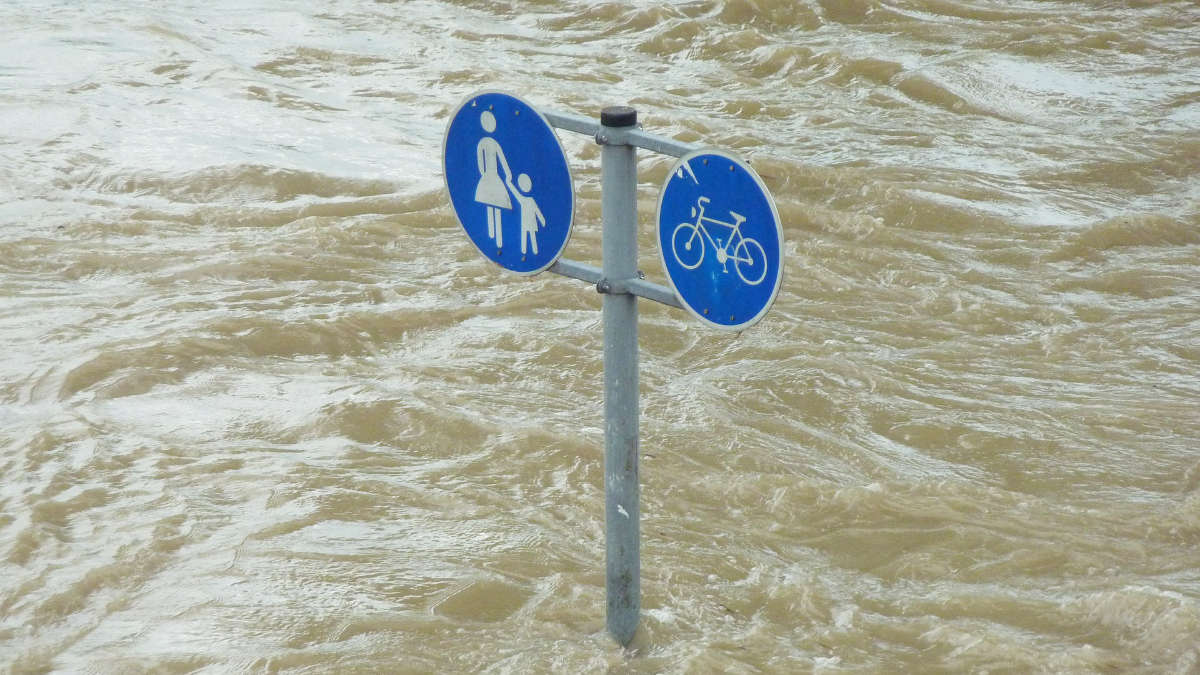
264	407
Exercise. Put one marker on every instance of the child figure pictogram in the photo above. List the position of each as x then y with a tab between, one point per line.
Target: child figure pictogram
531	216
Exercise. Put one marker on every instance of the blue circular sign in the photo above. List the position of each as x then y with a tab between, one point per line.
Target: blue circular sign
720	239
509	182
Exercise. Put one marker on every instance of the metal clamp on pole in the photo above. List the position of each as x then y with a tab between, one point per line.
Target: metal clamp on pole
641	288
638	286
630	135
615	122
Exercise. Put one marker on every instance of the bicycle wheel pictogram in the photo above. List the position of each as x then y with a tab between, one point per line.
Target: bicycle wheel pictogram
750	261
688	245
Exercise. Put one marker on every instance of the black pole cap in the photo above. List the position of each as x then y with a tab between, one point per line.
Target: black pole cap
618	116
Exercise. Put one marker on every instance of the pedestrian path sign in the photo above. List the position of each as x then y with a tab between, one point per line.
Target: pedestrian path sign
509	183
720	239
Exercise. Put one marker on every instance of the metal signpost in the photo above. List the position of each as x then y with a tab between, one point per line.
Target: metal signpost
720	241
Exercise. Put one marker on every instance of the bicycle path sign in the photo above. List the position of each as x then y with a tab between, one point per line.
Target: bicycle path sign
509	182
720	239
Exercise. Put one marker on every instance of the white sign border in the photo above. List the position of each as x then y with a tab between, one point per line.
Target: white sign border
566	162
662	256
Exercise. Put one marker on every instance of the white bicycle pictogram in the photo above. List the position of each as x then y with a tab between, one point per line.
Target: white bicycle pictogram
749	258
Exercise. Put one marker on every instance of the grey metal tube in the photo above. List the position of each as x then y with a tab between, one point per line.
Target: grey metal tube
594	275
645	289
572	122
620	135
577	270
618	210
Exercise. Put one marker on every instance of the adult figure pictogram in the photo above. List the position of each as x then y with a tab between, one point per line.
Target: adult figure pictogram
507	176
491	191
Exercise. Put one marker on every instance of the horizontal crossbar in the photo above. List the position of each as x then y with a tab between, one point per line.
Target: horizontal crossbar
594	275
619	135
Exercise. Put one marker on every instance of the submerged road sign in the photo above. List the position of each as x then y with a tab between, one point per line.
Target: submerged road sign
509	182
720	239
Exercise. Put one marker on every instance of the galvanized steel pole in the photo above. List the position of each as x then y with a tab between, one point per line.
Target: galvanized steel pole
618	204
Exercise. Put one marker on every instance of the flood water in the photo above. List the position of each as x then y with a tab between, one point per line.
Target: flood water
263	406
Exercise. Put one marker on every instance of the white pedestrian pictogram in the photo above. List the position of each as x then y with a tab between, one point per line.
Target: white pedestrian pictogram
491	190
531	215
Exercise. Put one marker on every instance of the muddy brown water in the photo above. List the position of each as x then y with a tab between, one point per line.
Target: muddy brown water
264	408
